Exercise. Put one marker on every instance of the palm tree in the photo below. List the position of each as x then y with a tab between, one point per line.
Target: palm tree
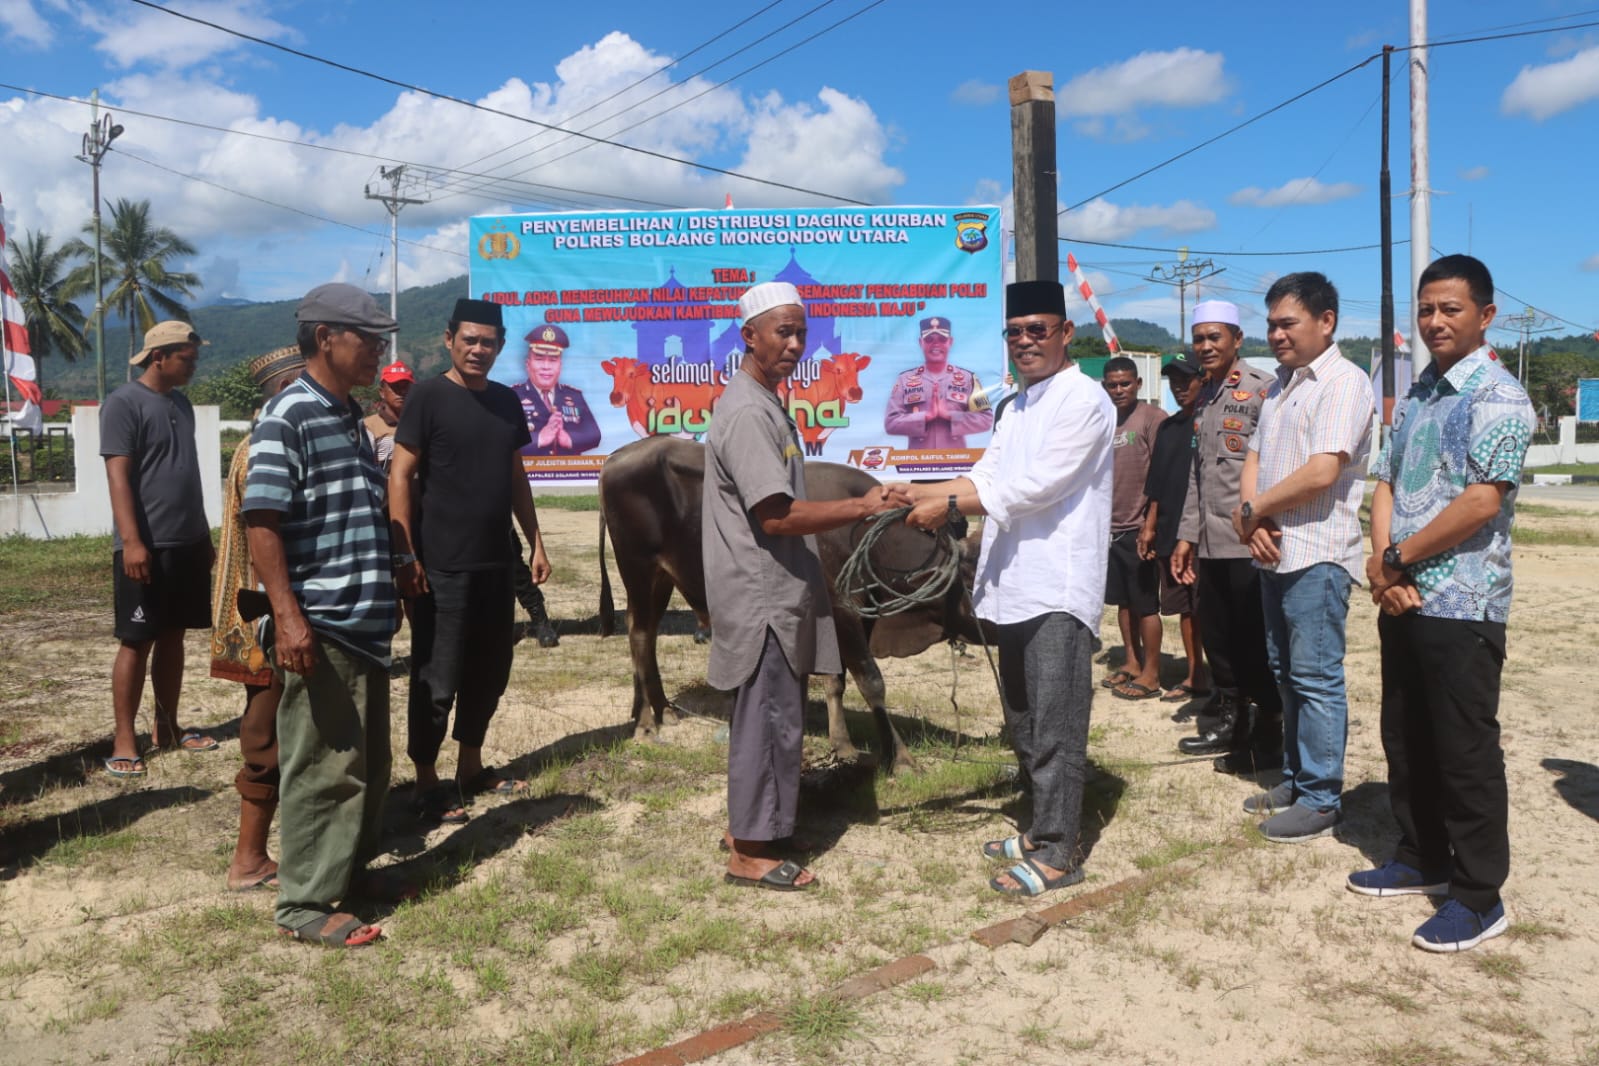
135	266
55	323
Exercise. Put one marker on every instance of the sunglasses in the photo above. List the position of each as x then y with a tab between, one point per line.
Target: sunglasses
1036	330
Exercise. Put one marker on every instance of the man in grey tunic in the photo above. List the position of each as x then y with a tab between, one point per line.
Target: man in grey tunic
768	600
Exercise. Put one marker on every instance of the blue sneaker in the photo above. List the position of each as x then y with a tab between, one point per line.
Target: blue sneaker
1456	927
1394	879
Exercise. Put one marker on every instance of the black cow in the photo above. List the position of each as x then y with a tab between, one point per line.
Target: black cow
650	499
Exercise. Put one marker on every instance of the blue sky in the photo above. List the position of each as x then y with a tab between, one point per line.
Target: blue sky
904	103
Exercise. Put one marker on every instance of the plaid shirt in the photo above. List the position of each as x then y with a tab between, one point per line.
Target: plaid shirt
1470	426
311	463
1326	407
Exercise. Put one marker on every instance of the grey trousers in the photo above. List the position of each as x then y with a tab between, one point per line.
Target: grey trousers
764	748
1046	688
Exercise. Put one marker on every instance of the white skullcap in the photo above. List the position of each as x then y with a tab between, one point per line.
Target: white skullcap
1215	311
759	299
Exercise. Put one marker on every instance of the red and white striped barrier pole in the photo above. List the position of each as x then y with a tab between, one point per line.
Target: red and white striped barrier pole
1093	304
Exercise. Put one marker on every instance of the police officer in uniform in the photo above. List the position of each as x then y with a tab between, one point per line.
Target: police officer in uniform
1232	623
557	415
936	404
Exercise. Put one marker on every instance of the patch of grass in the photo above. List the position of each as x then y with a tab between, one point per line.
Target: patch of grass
1168	853
926	992
819	1024
1534	931
599	973
576	1040
1412	1053
737	1003
66	572
1570	538
101	1006
75	851
1036	1035
1499	965
1506	1023
244	1030
569	503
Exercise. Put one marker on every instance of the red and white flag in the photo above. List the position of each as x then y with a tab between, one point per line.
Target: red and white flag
1399	342
729	205
17	352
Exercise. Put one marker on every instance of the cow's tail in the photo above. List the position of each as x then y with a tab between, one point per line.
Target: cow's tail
607	604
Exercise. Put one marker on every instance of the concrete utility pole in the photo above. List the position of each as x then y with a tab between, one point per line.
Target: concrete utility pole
1034	177
1183	273
102	131
1420	175
1385	210
393	200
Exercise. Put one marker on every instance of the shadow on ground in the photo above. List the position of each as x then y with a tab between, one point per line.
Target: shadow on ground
1578	784
23	844
72	768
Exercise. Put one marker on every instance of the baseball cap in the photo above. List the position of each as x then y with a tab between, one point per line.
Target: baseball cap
168	334
338	304
397	372
1182	365
935	325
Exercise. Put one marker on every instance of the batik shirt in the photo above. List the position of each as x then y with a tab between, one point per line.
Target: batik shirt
1470	426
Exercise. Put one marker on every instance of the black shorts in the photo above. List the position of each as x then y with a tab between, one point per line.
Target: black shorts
177	597
1131	582
1175	597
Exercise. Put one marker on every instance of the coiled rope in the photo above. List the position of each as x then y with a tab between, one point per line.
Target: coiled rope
877	590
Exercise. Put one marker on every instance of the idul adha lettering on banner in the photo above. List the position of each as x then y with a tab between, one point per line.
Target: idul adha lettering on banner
652	326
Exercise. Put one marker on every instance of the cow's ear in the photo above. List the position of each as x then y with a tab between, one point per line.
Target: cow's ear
608	366
862	362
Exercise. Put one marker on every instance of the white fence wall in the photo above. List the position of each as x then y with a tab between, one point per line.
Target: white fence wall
87	509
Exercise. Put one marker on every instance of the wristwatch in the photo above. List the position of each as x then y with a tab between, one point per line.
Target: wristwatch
1247	511
397	561
1391	558
954	510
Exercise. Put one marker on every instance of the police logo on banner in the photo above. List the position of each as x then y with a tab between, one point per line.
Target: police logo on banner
971	231
499	243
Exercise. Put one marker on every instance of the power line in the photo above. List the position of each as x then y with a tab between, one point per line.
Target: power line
726	81
409	87
286	207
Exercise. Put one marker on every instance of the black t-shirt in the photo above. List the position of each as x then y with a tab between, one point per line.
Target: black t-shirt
1167	480
464	440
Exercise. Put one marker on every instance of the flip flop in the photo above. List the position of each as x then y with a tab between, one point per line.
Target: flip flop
1120	677
341	935
487	782
205	743
136	767
269	882
1132	690
1032	880
1012	848
779	878
1183	693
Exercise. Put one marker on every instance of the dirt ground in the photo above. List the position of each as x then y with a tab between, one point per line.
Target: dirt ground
586	920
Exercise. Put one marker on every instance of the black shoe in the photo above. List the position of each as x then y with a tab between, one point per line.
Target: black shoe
1245	763
546	634
1215	740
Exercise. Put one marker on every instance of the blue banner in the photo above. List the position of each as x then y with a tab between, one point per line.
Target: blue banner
621	325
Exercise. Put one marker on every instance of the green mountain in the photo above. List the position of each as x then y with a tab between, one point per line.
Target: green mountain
240	332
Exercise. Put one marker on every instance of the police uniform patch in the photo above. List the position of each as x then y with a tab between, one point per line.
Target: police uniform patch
1263	393
912	394
1242	395
1235	377
1235	443
1232	424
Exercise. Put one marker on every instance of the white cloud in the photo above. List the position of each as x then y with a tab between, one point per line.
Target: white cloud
132	35
976	93
1183	77
24	25
987	191
1476	173
1296	192
831	142
1545	91
1591	263
1101	220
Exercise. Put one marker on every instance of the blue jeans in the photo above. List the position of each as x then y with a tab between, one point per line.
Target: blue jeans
1306	612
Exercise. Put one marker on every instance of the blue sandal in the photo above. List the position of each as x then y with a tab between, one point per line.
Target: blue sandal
136	767
1032	880
1012	848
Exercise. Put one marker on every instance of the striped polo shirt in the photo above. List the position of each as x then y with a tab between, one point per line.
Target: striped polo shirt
311	463
1326	406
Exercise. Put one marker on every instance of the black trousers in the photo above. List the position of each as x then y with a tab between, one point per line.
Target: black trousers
1232	626
460	655
1446	770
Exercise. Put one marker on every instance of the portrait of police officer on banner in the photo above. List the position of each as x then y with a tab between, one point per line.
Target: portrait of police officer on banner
936	405
558	417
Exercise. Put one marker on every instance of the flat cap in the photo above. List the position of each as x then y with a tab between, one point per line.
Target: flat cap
338	304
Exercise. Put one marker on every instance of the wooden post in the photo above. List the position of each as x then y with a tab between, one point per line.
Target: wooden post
1032	138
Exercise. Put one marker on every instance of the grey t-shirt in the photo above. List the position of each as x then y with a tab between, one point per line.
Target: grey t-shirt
755	581
156	431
